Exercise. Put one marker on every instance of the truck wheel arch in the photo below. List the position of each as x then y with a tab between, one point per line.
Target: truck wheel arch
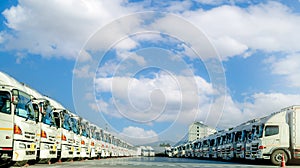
276	152
286	150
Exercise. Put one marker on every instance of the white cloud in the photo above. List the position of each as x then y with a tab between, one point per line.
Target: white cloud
84	56
126	44
138	132
83	72
192	101
161	99
107	69
137	135
58	28
256	106
125	55
233	30
228	46
288	67
179	6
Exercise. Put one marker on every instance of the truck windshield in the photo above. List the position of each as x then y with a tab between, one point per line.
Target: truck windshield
67	121
48	117
75	125
93	132
57	121
249	135
101	135
260	130
237	137
243	135
221	140
4	102
232	136
84	129
98	136
108	139
24	107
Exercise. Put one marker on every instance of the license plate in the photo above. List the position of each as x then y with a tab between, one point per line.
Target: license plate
32	147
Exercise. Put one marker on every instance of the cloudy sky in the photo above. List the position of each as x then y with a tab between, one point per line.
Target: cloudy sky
147	69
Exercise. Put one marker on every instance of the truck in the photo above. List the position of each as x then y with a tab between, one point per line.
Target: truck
85	146
18	126
47	130
197	148
98	142
106	143
94	139
277	136
65	139
75	122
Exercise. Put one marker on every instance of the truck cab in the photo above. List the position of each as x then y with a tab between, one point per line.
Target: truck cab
85	138
241	139
75	127
272	138
206	147
18	124
93	141
64	138
47	130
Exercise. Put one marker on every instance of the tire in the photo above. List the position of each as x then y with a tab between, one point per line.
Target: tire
276	157
19	163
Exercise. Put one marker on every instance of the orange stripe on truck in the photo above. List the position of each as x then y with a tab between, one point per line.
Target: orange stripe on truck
6	129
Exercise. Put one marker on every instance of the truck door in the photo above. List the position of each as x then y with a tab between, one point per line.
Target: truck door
6	121
272	136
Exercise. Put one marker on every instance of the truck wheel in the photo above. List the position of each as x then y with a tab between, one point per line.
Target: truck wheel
276	157
19	163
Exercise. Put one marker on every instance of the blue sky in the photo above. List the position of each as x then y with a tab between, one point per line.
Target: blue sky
147	76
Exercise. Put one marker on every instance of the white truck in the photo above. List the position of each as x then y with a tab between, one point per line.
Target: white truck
114	147
65	139
105	144
75	122
278	135
188	149
94	139
85	138
99	142
48	137
18	124
197	147
241	139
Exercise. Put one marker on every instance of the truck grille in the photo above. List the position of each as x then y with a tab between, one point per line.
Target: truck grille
254	148
30	153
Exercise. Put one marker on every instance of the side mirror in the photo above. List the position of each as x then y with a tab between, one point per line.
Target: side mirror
15	96
41	109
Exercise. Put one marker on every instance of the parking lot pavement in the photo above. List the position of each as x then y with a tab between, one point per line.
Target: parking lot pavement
140	162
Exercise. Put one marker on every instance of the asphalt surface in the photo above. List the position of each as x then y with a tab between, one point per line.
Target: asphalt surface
146	162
